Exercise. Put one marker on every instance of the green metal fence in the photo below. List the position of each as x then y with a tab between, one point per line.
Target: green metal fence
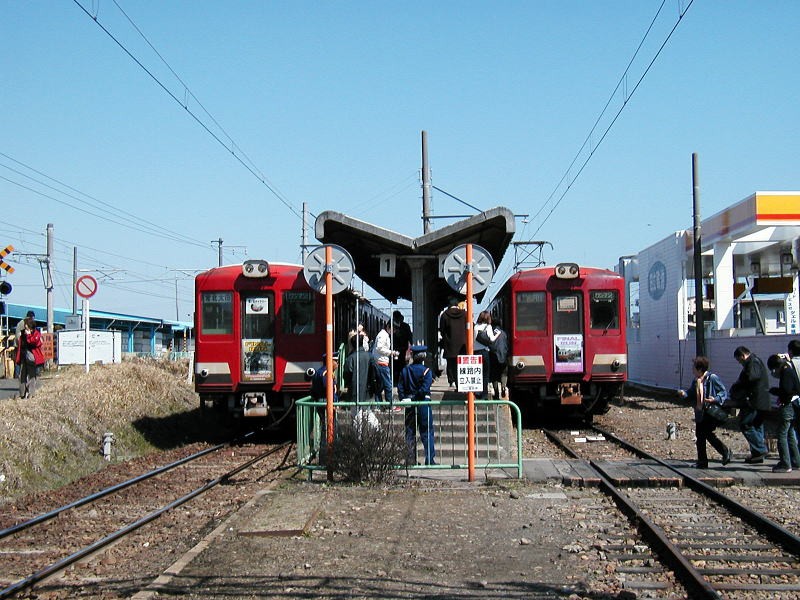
498	432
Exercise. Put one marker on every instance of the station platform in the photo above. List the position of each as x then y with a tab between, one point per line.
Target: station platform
642	473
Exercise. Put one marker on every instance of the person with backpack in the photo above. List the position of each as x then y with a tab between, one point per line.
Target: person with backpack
498	365
706	391
781	368
485	336
415	385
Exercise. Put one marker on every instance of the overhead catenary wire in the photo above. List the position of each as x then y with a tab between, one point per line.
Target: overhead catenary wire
231	147
614	120
682	12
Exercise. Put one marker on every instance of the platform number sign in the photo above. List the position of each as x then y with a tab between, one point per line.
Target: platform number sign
388	265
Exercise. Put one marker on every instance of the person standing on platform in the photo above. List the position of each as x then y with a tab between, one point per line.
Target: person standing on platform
401	343
794	360
498	359
706	389
415	385
453	329
384	354
788	387
751	392
485	336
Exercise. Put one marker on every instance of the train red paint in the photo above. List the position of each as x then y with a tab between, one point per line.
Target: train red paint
566	332
260	332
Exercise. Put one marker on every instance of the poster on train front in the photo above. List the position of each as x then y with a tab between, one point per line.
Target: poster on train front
568	353
258	360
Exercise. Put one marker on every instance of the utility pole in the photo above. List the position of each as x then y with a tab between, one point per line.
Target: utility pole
74	280
49	284
303	238
219	247
426	186
699	318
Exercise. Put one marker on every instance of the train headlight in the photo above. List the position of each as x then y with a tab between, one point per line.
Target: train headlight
615	365
519	366
567	271
255	268
203	373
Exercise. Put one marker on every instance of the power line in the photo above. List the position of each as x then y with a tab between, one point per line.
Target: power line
613	121
138	223
232	148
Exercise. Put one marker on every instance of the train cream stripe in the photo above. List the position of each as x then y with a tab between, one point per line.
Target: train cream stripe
213	368
607	359
300	367
530	361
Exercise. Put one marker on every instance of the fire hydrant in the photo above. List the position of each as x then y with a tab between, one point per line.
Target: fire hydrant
108	439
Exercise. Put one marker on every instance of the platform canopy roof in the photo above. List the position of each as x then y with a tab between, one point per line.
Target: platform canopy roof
492	229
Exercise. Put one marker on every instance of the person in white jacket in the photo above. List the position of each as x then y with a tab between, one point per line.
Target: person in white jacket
384	354
485	335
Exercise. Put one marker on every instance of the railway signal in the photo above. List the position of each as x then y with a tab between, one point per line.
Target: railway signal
4	265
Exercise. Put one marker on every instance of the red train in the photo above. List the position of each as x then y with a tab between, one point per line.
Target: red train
566	333
259	329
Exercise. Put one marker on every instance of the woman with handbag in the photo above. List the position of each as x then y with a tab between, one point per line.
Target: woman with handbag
708	394
30	357
485	336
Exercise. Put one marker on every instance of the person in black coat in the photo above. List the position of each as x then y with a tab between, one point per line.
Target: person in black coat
751	393
453	328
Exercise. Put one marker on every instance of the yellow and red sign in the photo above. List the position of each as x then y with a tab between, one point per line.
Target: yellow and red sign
4	265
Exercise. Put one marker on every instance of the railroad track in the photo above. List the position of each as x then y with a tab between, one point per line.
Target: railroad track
714	546
77	534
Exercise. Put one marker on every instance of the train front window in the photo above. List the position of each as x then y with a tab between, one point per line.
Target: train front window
604	310
258	318
530	311
298	311
567	314
216	315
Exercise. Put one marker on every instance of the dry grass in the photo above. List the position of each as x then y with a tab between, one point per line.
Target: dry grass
56	436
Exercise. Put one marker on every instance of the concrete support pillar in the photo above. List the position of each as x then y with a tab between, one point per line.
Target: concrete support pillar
419	300
723	285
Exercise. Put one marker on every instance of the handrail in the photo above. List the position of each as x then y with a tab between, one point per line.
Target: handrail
307	448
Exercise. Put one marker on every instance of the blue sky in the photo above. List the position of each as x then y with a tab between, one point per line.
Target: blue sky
326	100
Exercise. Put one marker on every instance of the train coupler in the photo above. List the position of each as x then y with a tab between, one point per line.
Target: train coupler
570	393
254	404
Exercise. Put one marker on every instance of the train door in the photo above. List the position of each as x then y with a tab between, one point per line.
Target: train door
567	321
258	337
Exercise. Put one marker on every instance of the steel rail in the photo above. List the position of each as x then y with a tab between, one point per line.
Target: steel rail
120	533
690	577
115	488
768	527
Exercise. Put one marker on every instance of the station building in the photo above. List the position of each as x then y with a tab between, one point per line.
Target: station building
750	258
142	336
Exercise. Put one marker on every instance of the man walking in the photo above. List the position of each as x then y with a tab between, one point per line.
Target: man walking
751	390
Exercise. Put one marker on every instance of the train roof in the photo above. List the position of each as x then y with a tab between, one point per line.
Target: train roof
545	273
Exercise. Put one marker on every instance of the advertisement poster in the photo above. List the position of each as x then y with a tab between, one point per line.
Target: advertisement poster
568	353
258	360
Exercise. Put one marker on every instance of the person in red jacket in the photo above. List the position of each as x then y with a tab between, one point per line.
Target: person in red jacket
30	357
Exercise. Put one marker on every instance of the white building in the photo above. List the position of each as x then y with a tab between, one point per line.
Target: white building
750	256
